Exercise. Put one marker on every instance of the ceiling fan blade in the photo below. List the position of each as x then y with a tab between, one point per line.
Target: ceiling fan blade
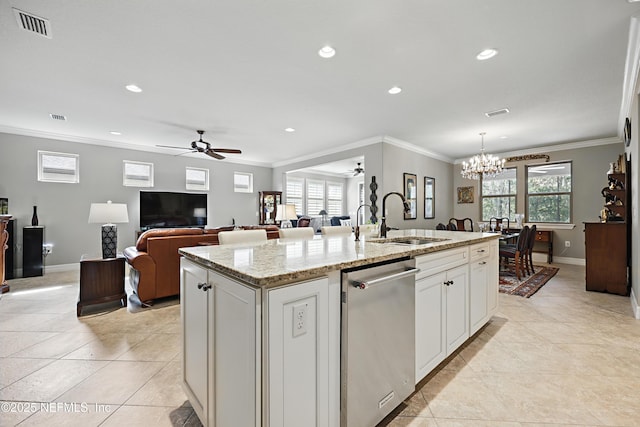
172	146
213	154
227	150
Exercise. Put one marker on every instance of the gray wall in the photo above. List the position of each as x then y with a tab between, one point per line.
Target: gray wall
397	161
590	165
64	208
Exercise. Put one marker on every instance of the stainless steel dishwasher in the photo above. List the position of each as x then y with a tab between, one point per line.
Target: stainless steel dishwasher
377	341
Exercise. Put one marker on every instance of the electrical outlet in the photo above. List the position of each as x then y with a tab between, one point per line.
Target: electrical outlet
567	243
299	319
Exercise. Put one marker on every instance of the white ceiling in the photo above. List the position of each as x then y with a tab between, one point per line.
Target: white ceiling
245	70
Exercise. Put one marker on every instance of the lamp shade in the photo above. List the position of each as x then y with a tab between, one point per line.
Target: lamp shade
108	213
286	212
322	212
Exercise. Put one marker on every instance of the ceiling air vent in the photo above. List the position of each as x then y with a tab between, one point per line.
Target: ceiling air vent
33	23
58	117
497	112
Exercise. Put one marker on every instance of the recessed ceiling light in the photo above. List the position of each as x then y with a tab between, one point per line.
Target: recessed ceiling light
395	90
497	112
133	88
289	130
486	54
58	117
504	137
327	52
115	132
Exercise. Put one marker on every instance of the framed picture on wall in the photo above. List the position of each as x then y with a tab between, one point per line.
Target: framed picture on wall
429	197
411	194
465	194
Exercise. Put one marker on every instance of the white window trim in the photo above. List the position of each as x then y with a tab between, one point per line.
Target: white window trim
237	189
148	183
195	185
42	176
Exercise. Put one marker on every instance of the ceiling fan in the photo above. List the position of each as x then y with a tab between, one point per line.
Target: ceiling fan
358	170
201	146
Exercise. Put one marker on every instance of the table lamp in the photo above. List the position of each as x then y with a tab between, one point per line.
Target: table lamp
285	213
108	214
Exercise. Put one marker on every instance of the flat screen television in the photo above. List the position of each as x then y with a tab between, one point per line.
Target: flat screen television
162	209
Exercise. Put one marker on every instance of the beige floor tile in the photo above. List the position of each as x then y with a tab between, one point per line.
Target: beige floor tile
13	369
145	416
13	342
447	422
163	389
51	381
57	346
114	384
107	346
156	347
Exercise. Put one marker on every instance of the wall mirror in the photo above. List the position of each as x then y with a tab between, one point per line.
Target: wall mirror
429	197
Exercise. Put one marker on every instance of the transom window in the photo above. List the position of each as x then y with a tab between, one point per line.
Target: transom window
549	193
498	194
137	174
197	179
58	167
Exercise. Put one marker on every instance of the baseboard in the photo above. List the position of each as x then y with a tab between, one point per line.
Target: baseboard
542	258
62	267
634	305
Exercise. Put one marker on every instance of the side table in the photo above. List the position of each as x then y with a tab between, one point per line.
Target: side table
101	280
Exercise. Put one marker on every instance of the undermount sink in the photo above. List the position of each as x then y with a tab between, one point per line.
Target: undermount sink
410	240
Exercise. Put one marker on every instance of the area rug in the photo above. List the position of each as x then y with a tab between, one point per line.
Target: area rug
528	285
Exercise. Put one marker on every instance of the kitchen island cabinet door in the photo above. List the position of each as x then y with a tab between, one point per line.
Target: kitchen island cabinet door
301	349
221	347
431	348
457	307
478	293
493	280
194	309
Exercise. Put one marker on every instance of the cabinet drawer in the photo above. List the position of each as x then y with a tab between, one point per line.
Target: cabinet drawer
440	261
479	251
542	236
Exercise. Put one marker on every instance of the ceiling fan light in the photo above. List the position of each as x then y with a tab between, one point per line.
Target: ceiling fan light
290	130
395	90
133	88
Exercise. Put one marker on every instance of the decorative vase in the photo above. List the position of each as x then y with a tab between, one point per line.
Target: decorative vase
34	217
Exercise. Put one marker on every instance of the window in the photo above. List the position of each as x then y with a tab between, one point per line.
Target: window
363	211
137	174
295	188
243	182
197	179
549	193
58	167
315	196
334	198
498	195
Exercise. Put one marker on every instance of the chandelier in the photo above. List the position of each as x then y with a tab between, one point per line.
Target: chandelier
482	164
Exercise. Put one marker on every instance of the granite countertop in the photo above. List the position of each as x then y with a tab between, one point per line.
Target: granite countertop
281	261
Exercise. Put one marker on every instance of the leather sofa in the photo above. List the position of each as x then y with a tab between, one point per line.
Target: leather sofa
155	261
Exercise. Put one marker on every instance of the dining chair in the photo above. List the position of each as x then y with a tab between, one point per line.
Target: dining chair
499	224
452	227
531	239
336	229
296	233
242	236
516	253
441	226
464	224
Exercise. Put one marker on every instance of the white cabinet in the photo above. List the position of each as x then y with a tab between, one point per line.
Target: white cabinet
483	286
221	347
442	307
244	347
303	354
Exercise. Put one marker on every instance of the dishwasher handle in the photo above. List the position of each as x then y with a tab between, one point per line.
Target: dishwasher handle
365	284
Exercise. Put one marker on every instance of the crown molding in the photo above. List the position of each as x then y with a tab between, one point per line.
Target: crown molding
111	144
631	69
358	144
556	147
416	149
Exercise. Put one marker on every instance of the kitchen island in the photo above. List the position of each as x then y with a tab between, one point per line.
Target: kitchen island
262	323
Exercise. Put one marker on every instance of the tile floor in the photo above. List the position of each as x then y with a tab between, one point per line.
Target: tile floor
562	357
